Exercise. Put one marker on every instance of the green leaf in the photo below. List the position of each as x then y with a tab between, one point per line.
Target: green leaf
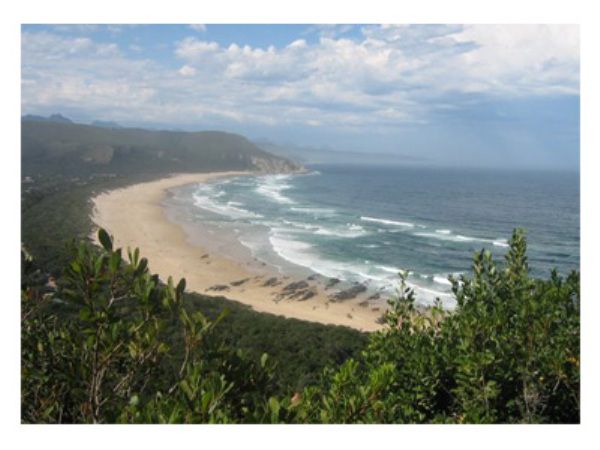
142	266
105	239
85	313
180	288
185	387
98	265
162	348
115	259
75	266
274	407
134	400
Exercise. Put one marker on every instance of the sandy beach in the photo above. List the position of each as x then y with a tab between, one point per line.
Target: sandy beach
135	217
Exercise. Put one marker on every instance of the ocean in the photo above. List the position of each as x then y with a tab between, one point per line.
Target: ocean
364	224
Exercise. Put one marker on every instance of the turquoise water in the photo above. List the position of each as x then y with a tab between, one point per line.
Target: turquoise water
364	224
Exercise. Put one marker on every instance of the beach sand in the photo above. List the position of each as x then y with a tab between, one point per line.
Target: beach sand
136	218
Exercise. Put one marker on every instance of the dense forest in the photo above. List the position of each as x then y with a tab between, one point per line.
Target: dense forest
105	341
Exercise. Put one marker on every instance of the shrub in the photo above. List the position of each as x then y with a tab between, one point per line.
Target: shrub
508	353
113	344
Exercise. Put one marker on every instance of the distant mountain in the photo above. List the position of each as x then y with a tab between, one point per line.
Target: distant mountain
105	124
54	118
313	155
51	146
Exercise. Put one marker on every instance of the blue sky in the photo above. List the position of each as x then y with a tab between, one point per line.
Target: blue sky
495	96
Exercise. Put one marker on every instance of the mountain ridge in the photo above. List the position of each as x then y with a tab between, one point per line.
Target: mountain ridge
57	146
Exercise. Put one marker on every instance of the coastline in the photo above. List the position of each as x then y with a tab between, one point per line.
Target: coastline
135	216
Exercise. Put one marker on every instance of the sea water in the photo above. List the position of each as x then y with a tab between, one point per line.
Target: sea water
365	224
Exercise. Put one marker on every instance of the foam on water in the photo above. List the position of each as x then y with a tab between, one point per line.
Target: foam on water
311	210
300	225
441	280
446	235
208	203
298	252
295	232
381	277
389	269
349	231
272	186
387	222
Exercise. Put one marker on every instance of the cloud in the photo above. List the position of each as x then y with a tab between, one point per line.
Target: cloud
78	71
90	28
329	30
201	28
192	49
187	71
388	76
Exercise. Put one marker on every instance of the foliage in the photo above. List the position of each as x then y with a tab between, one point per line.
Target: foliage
508	353
114	345
111	361
57	209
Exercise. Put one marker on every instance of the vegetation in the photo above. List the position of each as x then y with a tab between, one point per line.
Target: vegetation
104	341
509	353
101	348
54	146
57	209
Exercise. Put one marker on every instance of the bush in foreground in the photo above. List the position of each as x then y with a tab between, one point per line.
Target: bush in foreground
509	353
102	349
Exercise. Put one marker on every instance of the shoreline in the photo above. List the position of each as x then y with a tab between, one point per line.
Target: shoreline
136	217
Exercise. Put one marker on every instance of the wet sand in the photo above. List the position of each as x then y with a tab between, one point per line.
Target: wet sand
136	218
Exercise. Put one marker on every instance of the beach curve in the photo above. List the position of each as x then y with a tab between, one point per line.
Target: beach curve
135	216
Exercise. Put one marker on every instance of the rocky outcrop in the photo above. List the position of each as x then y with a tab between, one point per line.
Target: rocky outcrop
348	294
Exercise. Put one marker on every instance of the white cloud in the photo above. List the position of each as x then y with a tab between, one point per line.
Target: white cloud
535	58
193	49
391	75
90	28
298	43
329	30
201	28
187	71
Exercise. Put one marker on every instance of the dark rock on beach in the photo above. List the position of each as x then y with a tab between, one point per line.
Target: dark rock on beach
304	295
298	290
218	287
349	293
293	287
332	282
272	282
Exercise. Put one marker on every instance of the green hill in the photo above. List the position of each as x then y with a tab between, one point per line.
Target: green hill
49	147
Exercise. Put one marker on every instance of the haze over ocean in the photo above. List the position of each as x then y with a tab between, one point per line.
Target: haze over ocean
364	224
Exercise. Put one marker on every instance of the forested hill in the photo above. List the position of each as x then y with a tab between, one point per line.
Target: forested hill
61	147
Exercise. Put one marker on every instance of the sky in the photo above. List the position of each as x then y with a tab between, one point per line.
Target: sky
460	95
